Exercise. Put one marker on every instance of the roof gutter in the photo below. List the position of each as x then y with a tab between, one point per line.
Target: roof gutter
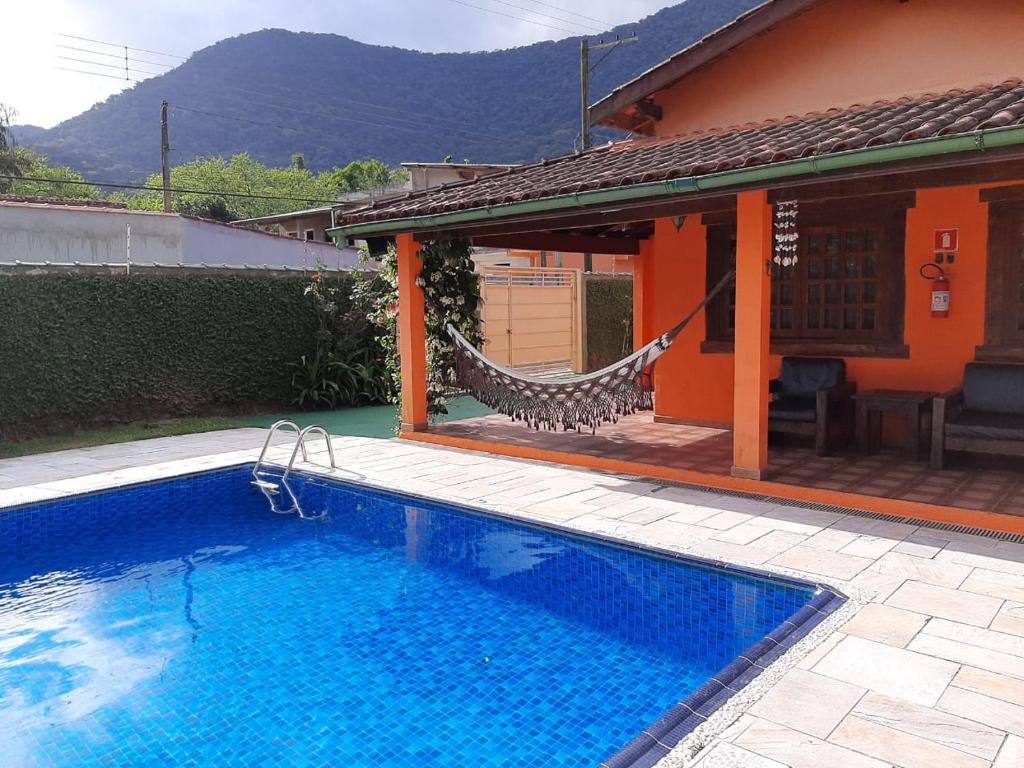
992	138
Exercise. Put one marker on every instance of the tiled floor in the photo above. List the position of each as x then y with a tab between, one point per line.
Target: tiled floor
923	668
977	483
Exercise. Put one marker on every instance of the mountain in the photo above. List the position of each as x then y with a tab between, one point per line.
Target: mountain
275	93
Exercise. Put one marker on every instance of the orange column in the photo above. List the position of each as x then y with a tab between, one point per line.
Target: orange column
753	305
642	267
412	340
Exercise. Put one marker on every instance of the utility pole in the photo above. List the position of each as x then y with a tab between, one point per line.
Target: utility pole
165	160
584	95
585	49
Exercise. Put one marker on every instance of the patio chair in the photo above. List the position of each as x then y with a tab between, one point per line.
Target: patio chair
985	415
812	397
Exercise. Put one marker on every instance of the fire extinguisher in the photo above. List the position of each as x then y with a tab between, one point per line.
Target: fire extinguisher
940	288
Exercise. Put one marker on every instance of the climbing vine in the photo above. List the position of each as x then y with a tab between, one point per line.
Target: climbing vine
452	293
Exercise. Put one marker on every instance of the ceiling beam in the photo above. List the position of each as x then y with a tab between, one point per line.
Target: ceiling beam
548	241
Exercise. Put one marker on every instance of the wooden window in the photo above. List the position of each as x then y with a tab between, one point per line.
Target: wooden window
1004	302
845	289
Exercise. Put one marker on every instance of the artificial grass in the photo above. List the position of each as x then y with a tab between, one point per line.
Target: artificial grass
372	421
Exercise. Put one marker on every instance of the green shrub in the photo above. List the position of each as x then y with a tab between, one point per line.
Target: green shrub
609	319
80	351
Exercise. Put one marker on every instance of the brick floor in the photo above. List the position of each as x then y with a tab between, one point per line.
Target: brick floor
977	483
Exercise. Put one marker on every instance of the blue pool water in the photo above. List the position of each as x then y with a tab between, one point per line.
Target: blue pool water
182	623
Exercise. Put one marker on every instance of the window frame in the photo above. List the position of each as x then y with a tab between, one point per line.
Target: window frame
1003	343
887	340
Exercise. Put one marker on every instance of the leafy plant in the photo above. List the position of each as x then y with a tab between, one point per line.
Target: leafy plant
338	373
312	380
452	292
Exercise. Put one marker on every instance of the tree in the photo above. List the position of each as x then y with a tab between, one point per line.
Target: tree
371	176
9	165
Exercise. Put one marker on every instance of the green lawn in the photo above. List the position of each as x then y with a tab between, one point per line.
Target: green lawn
375	421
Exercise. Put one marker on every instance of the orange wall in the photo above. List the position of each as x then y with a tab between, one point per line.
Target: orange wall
697	387
845	52
601	262
688	385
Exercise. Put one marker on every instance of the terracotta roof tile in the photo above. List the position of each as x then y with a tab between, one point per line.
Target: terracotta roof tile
642	160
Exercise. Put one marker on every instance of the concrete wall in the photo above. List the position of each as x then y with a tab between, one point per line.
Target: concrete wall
65	234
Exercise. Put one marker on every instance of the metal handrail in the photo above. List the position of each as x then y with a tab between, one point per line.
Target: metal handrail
266	443
300	443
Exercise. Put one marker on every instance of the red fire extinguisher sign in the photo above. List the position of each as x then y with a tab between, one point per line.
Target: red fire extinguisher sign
947	239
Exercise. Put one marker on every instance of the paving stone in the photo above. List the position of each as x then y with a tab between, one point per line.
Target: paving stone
927	723
798	750
886	624
808	702
830	564
1012	753
899	748
899	673
1007	586
964	653
726	755
1010	619
992	684
946	603
993	712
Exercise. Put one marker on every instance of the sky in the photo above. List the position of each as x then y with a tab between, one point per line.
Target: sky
32	82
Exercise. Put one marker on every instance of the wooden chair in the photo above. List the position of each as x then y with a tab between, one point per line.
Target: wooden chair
985	415
810	397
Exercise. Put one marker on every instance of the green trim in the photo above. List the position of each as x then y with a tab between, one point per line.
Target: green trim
991	138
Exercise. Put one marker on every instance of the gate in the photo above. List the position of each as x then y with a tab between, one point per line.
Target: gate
532	318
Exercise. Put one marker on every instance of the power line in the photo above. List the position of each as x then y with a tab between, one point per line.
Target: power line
119	45
549	16
606	24
118	185
109	66
118	56
99	74
511	16
437	122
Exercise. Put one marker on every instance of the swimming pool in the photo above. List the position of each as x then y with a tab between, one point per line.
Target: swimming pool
182	623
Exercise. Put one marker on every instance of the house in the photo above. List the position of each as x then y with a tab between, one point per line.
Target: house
59	231
888	135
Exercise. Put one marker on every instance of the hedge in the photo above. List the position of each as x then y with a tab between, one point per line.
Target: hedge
84	350
609	319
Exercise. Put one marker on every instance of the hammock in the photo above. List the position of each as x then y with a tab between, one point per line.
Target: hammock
586	400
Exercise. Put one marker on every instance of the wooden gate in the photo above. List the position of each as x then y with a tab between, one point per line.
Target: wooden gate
532	318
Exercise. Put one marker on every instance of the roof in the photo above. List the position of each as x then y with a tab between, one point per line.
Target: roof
754	22
644	161
461	166
284	216
61	201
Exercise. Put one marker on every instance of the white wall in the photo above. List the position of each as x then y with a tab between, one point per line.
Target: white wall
66	234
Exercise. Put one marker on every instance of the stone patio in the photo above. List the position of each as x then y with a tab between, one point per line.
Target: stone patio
924	667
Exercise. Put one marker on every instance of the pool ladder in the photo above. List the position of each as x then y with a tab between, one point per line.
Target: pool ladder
270	485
